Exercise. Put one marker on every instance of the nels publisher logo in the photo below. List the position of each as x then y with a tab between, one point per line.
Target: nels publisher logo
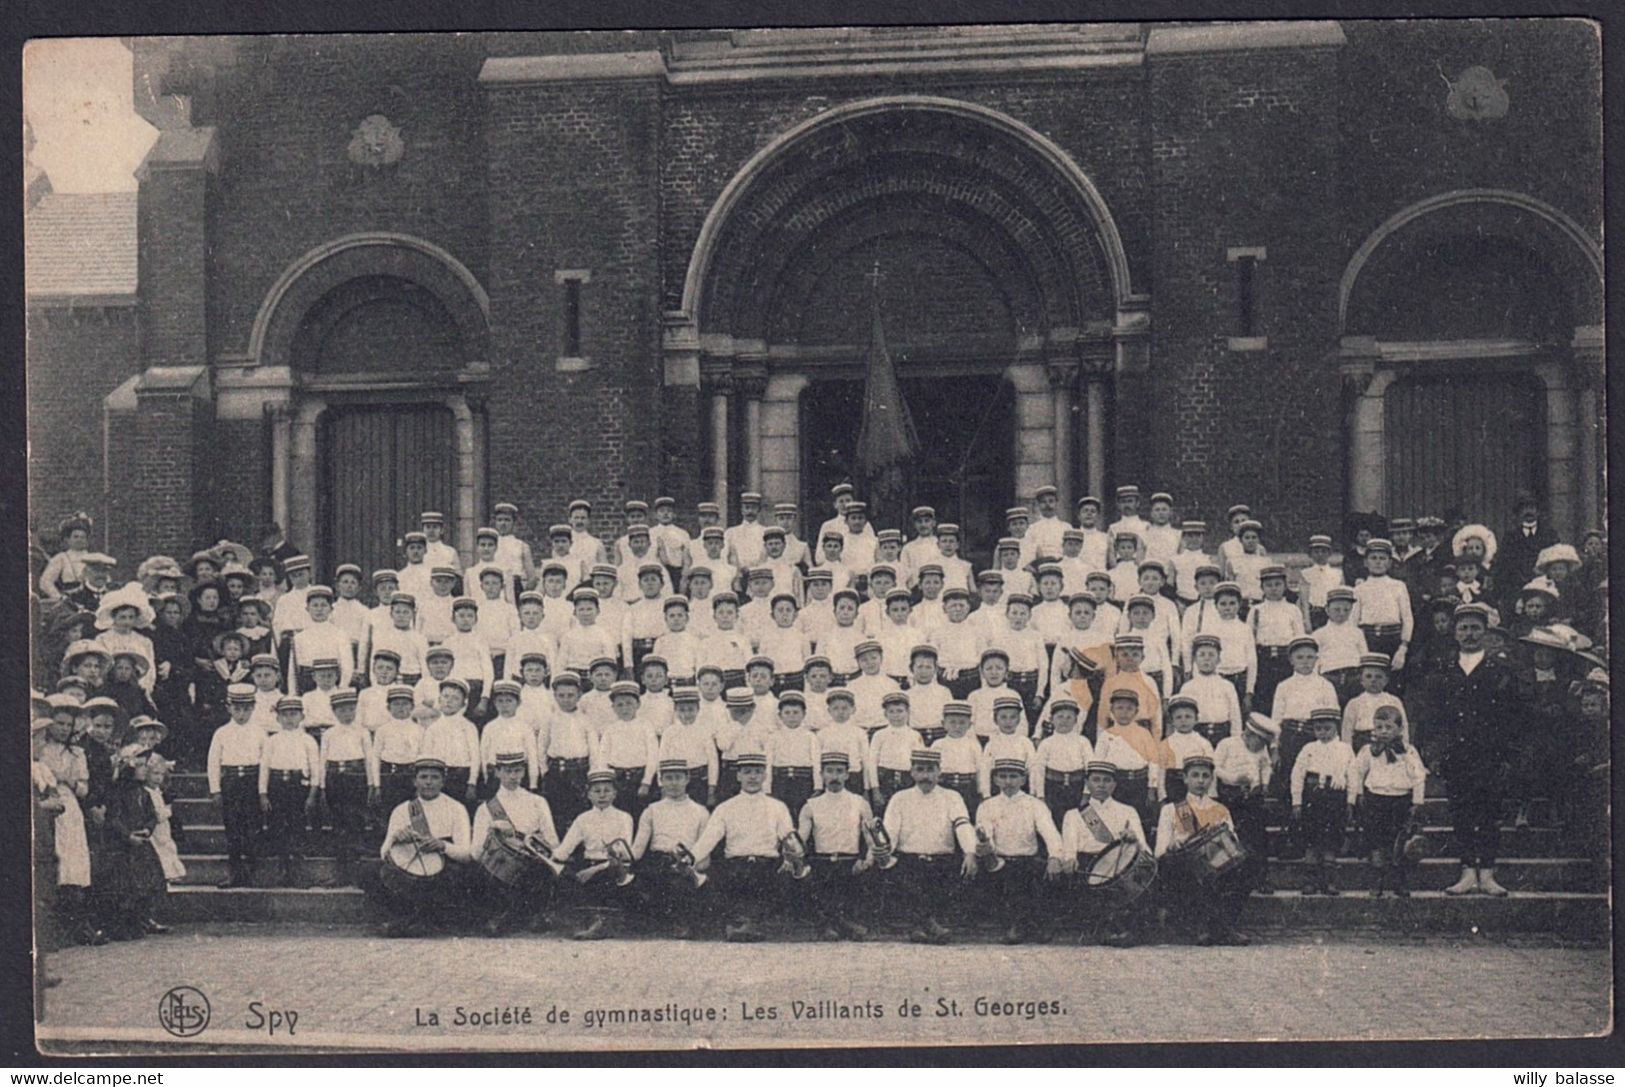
183	1011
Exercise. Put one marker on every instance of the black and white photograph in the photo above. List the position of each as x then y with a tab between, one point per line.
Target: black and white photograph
817	536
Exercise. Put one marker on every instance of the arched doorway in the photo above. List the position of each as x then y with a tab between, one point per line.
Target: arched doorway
1471	328
384	340
996	267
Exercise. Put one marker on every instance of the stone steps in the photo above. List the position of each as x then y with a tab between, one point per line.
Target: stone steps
1563	914
1433	874
204	838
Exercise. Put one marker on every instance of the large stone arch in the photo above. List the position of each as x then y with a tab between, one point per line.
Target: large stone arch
297	399
996	194
1564	263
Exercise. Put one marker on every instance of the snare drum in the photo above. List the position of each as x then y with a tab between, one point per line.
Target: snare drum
509	860
1209	854
1120	874
408	871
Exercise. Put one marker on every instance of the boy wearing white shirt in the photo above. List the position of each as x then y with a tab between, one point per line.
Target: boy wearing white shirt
1062	760
690	740
596	833
832	825
1319	578
750	828
512	811
1273	623
473	663
926	824
1321	804
1088	830
1296	699
956	572
507	732
1011	825
1342	644
926	696
959	644
530	639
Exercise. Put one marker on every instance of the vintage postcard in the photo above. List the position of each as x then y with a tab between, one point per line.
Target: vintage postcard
821	536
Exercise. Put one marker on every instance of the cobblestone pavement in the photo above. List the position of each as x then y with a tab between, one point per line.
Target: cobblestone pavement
344	987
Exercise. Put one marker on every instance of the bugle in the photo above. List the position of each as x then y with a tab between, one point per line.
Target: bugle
683	858
880	847
793	851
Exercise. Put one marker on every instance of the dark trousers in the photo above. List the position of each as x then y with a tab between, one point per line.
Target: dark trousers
439	900
1134	789
395	785
286	821
1325	811
1026	685
920	886
1213	731
1205	908
1382	820
664	892
565	788
456	787
931	734
346	810
1386	640
892	782
965	786
1018	890
1063	792
520	901
1295	736
1173	786
628	779
727	779
1475	818
963	684
699	785
641	647
1247	812
788	681
240	811
1273	667
1238	680
752	886
794	786
1346	682
833	892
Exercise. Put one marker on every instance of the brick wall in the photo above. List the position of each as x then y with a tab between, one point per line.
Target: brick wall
240	474
1244	153
572	176
160	476
75	358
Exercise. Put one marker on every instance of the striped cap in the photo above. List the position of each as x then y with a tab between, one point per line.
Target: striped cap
739	696
835	758
510	758
404	598
674	601
505	687
343	696
1101	766
319	592
818	573
1376	660
1226	587
1140	600
240	692
264	660
923	511
560	530
925	757
709	507
772	532
465	603
1014	766
1008	702
400	690
1127	490
1197	759
994	651
888	535
840	694
759	661
922	649
485	532
439	651
956	707
674	766
1153	564
1128	641
579	504
685	694
1320	539
1097	575
381	576
1018	598
1272	570
650	568
751	760
324	662
948	528
625	687
792	698
1162	496
1379	545
455	684
566	678
1124	694
653	658
893	698
443	571
817	660
290	703
1179	701
505	507
601	777
1063	703
1340	592
1198	527
1326	713
868	645
531	596
1302	641
301	562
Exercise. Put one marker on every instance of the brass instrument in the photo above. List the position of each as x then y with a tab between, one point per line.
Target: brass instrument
687	865
794	853
880	847
544	854
620	858
984	850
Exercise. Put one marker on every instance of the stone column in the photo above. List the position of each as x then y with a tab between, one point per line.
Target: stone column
1591	375
1368	467
781	438
1095	369
281	423
719	386
463	436
1035	442
1063	383
303	478
1564	450
752	379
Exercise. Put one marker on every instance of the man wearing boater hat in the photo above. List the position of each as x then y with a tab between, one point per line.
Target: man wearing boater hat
1208	908
749	827
432	823
514	811
926	825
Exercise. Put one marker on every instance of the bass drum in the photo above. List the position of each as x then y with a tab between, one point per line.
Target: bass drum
1120	874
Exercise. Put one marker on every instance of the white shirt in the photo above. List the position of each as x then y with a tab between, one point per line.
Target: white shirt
667	824
1235	765
456	742
447	820
1331	760
1017	824
347	743
1119	819
1171	833
528	812
746	825
593	830
1377	775
929	823
1341	646
234	745
1383	601
1297	696
832	822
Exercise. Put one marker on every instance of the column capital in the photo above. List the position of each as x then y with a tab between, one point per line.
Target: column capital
750	377
1062	373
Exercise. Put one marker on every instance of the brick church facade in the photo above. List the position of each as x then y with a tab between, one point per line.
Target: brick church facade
1315	266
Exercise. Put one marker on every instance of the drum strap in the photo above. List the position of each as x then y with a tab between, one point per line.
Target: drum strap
418	818
498	812
1186	817
1097	826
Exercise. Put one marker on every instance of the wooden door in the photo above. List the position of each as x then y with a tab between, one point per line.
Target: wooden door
1464	442
382	466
